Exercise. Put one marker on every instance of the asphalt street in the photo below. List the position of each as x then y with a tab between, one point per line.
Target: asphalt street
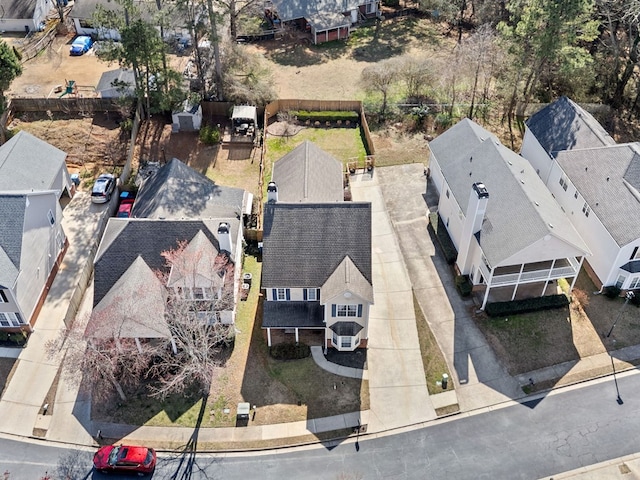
568	429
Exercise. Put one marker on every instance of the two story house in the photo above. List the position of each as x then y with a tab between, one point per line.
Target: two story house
184	240
34	187
316	271
597	184
507	228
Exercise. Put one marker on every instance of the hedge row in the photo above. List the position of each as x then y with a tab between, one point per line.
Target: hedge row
501	309
290	351
464	285
448	248
326	116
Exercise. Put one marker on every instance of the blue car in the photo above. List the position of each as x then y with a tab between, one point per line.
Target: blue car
81	45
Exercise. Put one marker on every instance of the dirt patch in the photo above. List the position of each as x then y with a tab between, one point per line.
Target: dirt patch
92	143
228	165
7	368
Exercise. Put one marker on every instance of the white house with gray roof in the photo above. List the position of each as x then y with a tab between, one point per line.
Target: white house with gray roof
32	244
34	185
508	229
316	267
596	182
24	16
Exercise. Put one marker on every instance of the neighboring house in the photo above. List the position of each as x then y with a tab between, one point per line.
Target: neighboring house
24	15
117	83
34	186
507	228
32	244
176	209
82	16
28	163
597	184
326	20
316	267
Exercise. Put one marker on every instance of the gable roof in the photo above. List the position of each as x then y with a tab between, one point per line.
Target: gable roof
308	174
133	308
520	210
126	239
564	125
608	178
323	13
19	9
304	243
117	83
196	265
347	277
460	140
28	163
177	191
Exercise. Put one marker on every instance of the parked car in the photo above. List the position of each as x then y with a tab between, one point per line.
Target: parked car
124	210
125	459
103	188
81	45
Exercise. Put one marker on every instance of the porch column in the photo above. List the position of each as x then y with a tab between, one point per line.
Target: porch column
575	277
515	287
137	340
546	283
268	337
486	294
297	336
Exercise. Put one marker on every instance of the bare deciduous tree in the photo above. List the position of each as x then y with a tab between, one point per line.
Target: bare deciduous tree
381	77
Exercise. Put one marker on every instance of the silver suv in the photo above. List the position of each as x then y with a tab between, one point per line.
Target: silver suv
103	188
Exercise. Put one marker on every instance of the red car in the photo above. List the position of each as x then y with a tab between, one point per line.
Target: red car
124	459
124	210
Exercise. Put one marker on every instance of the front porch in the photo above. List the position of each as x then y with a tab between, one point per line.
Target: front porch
527	280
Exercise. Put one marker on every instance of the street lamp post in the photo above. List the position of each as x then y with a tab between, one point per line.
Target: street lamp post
627	297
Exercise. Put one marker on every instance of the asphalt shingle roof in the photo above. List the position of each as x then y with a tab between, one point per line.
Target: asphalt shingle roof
126	239
177	191
12	216
308	174
28	163
133	308
347	277
324	14
520	210
304	243
564	125
608	178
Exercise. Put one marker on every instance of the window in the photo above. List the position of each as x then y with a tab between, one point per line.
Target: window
620	281
371	7
198	293
85	23
586	209
345	342
563	183
347	310
3	297
634	255
635	283
52	218
10	319
312	294
281	294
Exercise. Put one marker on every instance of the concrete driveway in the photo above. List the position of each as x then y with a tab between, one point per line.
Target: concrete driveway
480	379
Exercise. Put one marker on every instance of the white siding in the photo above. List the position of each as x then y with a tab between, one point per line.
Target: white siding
536	155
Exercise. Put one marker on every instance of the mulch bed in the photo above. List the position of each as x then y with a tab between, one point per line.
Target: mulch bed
357	359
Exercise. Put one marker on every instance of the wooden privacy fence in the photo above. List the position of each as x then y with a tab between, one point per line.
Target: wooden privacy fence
272	109
65	104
